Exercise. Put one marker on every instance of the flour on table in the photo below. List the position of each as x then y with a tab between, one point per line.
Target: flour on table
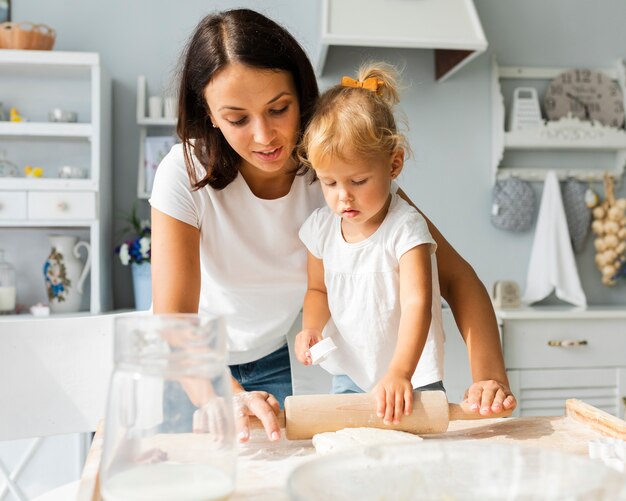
351	438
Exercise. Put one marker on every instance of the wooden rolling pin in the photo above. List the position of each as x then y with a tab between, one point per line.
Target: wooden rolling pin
306	415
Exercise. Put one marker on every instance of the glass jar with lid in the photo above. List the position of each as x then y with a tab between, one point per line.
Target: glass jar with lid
169	429
7	286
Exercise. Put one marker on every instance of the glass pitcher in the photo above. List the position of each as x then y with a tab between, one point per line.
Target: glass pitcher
169	431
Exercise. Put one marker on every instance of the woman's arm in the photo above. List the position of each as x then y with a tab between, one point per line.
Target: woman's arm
175	261
476	320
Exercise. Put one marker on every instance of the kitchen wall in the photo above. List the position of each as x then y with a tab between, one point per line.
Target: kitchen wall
449	176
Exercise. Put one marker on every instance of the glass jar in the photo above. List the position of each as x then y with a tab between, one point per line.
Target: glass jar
169	430
7	286
7	168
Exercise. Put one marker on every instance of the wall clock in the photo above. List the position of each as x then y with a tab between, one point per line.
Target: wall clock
586	94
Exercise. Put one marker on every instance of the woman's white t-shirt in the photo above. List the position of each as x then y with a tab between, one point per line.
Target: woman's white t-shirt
363	286
252	263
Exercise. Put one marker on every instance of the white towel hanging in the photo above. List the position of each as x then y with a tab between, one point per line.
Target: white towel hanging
552	265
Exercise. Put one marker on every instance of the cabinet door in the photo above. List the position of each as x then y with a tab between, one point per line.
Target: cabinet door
564	343
544	392
457	375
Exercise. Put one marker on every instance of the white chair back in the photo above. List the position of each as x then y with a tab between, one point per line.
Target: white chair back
55	378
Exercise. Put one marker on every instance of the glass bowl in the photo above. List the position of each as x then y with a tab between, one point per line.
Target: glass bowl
454	470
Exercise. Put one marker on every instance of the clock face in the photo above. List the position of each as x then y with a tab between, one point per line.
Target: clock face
586	94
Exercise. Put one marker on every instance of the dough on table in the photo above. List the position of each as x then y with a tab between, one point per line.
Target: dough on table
350	438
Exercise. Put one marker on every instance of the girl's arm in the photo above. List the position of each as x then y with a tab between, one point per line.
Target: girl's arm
315	313
175	259
394	392
476	320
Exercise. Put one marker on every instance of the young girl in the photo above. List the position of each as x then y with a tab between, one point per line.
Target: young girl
227	205
371	261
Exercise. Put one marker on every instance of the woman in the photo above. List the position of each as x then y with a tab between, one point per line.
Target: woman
227	205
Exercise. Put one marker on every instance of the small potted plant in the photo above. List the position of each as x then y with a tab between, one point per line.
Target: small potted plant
136	252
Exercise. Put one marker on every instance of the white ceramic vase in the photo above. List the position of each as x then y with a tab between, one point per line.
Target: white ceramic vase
65	274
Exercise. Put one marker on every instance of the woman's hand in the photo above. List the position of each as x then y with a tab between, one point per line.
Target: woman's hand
261	404
394	397
489	397
304	340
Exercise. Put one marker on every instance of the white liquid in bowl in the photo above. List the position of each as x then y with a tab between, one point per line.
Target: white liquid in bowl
166	482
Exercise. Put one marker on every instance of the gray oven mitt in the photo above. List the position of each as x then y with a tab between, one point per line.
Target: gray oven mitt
576	211
513	206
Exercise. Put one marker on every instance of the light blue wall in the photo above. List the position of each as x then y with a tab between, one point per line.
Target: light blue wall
449	176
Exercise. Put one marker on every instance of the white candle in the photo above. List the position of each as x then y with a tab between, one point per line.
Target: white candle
166	482
7	299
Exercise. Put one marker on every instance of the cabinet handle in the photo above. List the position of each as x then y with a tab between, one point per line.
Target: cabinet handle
62	206
568	343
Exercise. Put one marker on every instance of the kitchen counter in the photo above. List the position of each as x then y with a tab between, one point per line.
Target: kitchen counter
263	467
561	312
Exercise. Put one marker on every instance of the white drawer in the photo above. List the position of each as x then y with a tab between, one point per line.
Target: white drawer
543	392
12	205
61	205
562	343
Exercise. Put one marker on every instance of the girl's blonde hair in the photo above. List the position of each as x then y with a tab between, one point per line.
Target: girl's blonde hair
355	120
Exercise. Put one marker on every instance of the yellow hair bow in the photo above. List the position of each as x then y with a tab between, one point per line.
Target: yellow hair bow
371	83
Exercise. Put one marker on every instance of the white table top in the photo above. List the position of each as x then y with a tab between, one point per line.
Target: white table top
263	467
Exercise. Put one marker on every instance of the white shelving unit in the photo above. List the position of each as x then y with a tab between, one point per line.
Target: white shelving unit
450	27
146	125
35	82
565	135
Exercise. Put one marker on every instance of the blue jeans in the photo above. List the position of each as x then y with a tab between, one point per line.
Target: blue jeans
343	384
271	373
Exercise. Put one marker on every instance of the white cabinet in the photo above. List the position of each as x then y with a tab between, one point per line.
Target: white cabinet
148	127
572	147
457	376
451	27
35	82
552	354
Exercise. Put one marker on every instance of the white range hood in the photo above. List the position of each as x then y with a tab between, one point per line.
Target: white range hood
450	27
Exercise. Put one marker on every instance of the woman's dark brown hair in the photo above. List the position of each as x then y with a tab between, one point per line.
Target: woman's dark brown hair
243	36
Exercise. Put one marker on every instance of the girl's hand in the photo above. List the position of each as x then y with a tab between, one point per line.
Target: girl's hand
261	404
394	397
304	340
489	397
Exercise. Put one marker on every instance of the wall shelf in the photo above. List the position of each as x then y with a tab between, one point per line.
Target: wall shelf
43	129
47	184
569	134
166	126
450	27
156	122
